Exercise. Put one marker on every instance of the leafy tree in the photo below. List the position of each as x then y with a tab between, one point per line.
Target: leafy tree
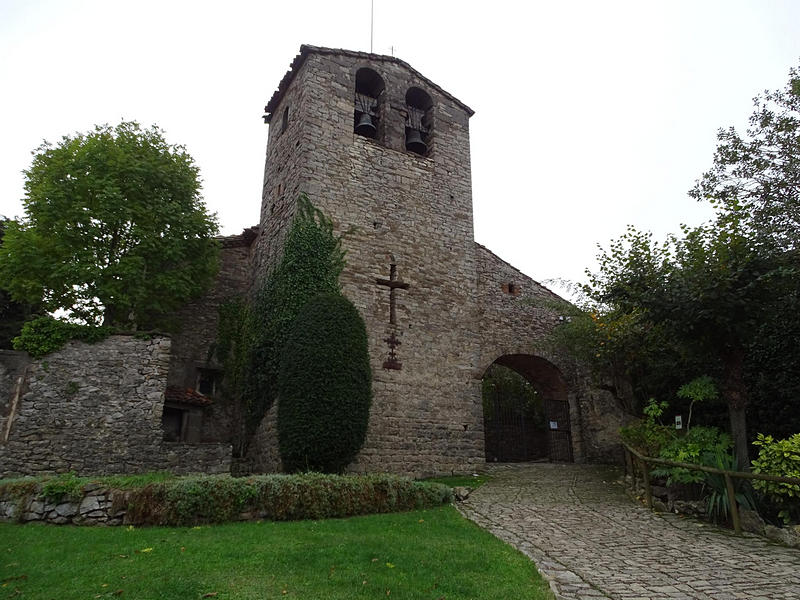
630	356
711	288
114	229
723	296
758	175
12	314
325	385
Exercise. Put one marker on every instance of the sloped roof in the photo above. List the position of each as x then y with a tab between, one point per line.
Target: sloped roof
186	396
306	50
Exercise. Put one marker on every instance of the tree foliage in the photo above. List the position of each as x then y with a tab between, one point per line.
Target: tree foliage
718	298
758	175
325	387
114	229
12	314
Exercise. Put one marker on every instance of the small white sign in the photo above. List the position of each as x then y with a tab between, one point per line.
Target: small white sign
553	424
678	422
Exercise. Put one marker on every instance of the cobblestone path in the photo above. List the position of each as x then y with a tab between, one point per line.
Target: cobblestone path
593	542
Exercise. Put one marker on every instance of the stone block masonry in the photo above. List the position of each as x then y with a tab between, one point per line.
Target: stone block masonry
96	409
439	309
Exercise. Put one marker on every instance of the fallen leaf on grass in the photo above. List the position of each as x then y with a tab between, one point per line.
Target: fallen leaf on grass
117	593
390	565
16	578
147	549
210	594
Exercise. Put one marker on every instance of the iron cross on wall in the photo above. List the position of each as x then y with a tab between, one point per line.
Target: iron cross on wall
393	284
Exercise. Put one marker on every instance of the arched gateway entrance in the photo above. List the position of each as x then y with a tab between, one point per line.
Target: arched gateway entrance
526	411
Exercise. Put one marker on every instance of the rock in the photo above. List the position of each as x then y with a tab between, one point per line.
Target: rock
776	534
66	509
660	491
689	507
36	507
659	506
8	509
89	504
461	493
751	521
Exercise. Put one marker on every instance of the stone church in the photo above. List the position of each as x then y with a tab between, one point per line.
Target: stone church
385	153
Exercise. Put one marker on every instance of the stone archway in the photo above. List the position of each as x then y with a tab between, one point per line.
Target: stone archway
509	433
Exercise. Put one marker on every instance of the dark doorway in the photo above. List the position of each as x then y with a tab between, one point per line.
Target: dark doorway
513	415
526	412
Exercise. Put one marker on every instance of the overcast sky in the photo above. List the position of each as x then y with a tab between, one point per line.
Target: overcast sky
589	115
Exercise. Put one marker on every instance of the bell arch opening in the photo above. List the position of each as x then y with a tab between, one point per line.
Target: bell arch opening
419	122
526	415
367	112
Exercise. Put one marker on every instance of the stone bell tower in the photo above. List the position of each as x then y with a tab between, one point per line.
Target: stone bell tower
384	152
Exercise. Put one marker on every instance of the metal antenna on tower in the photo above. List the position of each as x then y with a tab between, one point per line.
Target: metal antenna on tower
371	22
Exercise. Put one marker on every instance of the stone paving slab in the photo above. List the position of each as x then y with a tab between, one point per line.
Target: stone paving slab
592	542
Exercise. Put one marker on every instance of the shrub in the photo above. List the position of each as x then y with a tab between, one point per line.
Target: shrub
718	504
324	387
46	334
210	499
697	446
781	458
647	436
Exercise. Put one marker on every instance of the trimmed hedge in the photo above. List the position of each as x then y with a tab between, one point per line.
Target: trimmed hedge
209	499
325	387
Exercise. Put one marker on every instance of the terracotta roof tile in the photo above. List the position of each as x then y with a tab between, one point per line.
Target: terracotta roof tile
186	396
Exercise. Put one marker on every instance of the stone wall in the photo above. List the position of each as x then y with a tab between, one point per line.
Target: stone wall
96	506
517	315
13	367
192	346
457	314
96	409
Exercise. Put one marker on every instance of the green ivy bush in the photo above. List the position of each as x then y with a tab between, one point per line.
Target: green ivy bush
46	334
781	458
325	387
210	499
251	337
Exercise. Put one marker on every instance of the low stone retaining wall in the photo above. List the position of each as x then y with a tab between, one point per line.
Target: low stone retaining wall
97	507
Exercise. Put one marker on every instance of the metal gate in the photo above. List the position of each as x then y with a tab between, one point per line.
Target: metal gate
559	439
510	436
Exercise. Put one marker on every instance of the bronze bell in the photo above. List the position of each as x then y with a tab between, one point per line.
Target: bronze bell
365	126
414	141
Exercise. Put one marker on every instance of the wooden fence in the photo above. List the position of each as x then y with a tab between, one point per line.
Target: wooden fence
632	457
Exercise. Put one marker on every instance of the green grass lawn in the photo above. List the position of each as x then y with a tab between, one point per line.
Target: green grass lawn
432	554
